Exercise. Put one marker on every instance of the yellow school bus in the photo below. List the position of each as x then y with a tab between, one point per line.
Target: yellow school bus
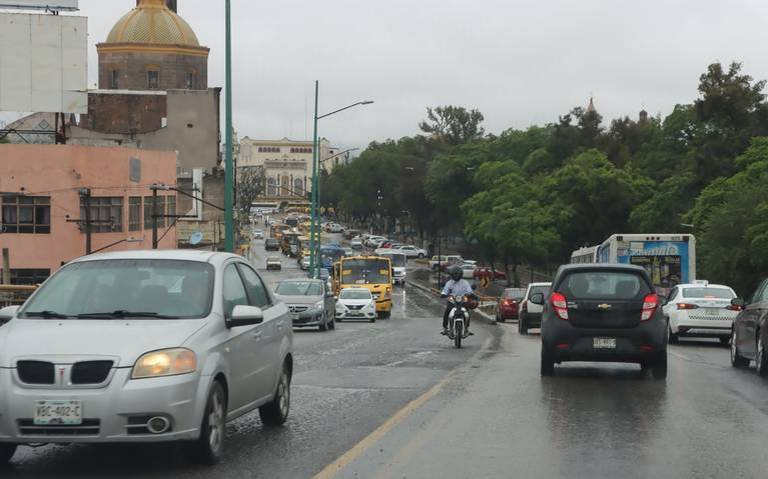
373	273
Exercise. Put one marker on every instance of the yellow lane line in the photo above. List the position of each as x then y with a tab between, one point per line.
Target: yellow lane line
331	470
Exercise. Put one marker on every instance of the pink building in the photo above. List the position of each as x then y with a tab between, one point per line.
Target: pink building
44	190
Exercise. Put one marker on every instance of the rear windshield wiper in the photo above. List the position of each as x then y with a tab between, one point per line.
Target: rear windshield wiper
46	315
121	313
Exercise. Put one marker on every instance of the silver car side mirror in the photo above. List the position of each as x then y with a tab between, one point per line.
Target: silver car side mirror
243	315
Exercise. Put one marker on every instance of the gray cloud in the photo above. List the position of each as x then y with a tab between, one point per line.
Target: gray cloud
519	62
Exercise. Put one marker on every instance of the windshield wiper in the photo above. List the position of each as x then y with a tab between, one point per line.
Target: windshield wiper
122	313
46	315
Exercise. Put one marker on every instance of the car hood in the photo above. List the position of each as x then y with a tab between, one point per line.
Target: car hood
126	339
299	299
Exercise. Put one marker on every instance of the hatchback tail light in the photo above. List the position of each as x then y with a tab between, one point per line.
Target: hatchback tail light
686	306
560	304
650	303
734	307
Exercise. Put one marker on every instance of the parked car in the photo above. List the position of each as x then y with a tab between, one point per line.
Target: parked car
271	244
701	310
273	262
509	303
258	234
444	260
606	312
412	251
484	271
530	313
335	228
144	346
468	269
373	241
749	339
310	302
355	303
356	243
349	234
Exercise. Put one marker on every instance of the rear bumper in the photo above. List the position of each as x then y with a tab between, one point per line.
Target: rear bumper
567	343
508	313
686	326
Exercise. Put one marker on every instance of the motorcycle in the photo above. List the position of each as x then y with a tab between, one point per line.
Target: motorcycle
458	318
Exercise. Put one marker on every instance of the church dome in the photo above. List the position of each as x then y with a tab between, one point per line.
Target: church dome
153	23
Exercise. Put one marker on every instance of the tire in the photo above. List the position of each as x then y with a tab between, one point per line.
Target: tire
339	320
673	338
373	319
332	324
323	326
275	412
547	362
6	453
457	335
421	255
522	326
659	367
737	361
761	356
208	448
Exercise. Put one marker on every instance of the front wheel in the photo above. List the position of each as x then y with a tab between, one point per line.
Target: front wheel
275	412
208	448
6	452
458	334
421	255
761	358
737	360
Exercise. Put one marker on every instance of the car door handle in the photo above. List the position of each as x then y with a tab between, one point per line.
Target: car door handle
257	335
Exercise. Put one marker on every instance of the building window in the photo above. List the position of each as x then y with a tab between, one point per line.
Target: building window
114	76
170	207
29	277
153	80
298	187
134	213
190	83
26	214
271	187
148	212
106	214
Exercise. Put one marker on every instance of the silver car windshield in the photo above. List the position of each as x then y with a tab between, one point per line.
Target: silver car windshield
125	288
299	288
354	294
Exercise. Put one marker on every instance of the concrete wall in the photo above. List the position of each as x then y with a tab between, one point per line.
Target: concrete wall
125	113
192	126
58	171
132	67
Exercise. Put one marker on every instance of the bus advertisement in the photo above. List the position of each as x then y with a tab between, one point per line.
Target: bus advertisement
670	259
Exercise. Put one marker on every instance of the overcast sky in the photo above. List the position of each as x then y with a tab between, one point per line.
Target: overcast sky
520	62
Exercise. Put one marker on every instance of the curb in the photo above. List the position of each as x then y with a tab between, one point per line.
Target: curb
484	316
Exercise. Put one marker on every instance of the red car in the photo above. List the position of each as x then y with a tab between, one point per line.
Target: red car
487	272
508	306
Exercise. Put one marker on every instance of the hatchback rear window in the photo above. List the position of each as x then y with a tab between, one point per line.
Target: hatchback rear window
716	293
603	285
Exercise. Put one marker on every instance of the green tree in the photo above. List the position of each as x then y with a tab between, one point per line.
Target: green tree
664	210
453	124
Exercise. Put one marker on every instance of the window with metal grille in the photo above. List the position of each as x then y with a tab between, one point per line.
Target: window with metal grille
148	212
134	213
26	214
106	214
153	80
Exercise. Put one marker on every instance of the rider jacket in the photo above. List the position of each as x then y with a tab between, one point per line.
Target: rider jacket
457	288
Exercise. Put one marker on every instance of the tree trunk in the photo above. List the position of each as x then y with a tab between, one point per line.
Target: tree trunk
506	271
516	278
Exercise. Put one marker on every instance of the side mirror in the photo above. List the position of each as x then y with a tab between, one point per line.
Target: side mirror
738	302
244	315
8	313
537	298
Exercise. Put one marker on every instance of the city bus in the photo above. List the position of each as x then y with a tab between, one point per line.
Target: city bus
373	273
670	259
585	254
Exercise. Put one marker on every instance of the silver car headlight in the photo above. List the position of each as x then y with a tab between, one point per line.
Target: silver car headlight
319	306
166	362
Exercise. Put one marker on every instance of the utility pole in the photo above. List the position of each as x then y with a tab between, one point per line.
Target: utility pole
313	209
85	193
530	252
6	266
154	217
229	223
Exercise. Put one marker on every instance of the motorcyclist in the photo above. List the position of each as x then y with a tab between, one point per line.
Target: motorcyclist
457	287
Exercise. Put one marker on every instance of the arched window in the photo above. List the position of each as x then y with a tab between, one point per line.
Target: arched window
298	187
271	187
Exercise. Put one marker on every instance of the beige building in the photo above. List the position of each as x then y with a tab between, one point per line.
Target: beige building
287	164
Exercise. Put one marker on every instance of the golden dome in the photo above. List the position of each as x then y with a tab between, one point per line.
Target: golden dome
152	22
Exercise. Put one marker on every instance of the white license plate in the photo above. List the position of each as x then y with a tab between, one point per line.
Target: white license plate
604	343
64	412
711	311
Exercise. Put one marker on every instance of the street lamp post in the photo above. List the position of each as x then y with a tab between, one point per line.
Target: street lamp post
229	200
314	229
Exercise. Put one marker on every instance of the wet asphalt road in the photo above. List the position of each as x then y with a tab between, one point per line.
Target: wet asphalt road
483	411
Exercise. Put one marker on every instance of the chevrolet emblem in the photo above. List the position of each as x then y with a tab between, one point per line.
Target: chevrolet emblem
604	306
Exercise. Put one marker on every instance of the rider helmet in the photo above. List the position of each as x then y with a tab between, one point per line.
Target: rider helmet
456	273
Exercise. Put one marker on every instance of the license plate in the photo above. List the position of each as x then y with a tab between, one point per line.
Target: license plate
711	311
64	412
604	343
